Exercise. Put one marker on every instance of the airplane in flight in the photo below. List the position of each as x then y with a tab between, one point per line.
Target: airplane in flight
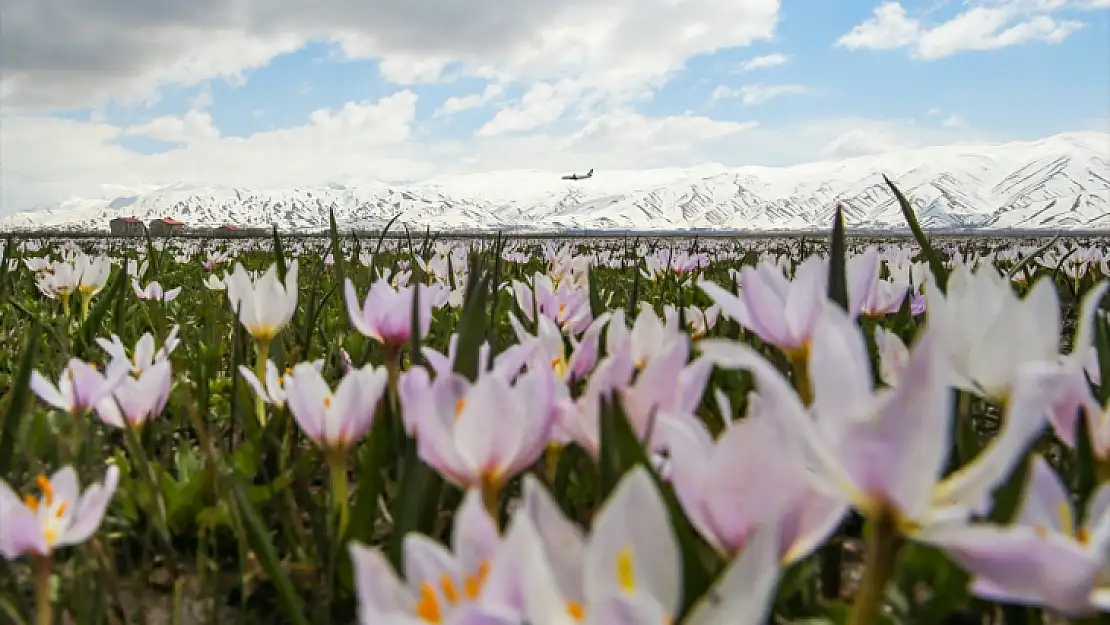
584	176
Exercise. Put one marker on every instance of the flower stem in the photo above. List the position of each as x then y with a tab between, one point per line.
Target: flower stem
44	609
799	362
338	465
262	354
86	298
491	497
879	560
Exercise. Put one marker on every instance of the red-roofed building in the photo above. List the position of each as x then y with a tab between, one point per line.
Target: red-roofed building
167	226
126	227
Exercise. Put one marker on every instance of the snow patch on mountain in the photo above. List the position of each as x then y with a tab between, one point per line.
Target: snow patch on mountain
1062	182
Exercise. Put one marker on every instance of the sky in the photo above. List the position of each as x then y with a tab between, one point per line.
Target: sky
101	99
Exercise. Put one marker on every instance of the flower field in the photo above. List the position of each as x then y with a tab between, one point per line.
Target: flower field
410	430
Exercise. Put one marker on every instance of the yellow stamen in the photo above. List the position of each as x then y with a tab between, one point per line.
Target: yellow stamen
459	406
61	510
1067	521
626	574
47	489
472	585
31	503
327	401
427	608
559	366
450	592
576	611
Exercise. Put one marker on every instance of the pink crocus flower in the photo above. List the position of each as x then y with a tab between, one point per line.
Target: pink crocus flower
552	348
650	335
153	292
62	516
80	387
893	356
473	583
886	451
784	312
883	298
627	571
1045	558
508	363
578	419
273	392
143	356
479	434
568	305
334	420
386	314
138	399
730	487
667	385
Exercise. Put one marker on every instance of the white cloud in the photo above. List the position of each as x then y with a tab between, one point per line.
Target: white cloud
455	104
412	70
952	121
543	104
987	25
989	29
195	126
71	53
890	28
752	95
766	61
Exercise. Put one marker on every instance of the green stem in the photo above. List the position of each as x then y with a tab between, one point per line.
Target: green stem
86	298
262	355
491	498
879	560
44	609
131	437
799	362
337	462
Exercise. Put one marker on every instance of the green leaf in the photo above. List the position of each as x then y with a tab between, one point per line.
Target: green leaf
936	265
336	248
19	398
375	451
279	255
1085	467
838	258
378	247
5	275
258	536
1008	497
1102	345
418	491
472	327
1020	266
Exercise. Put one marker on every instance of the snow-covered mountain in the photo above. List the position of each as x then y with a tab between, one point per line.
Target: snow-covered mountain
1062	182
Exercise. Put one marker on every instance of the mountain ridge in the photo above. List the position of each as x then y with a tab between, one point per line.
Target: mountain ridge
1061	182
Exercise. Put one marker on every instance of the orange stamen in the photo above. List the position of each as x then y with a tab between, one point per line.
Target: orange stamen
427	608
47	489
450	592
472	586
576	611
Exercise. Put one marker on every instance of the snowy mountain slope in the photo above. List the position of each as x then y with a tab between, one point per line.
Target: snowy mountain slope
1062	182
